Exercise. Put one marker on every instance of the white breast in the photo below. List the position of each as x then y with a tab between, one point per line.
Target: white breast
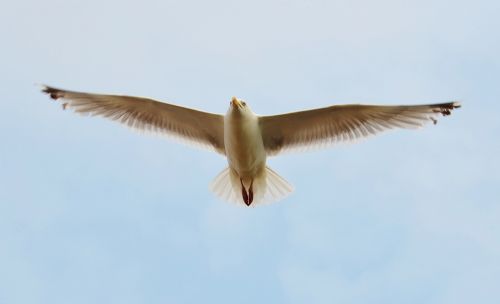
243	143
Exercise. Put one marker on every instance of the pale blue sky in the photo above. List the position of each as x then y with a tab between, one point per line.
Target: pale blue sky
91	212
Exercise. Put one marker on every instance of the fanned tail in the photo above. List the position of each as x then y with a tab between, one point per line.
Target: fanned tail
267	187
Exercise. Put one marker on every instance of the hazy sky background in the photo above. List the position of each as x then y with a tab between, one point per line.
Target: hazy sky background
91	212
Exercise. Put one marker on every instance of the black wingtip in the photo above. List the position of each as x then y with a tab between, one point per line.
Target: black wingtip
446	108
52	92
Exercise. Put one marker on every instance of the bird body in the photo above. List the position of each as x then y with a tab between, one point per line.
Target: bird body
247	139
243	141
246	156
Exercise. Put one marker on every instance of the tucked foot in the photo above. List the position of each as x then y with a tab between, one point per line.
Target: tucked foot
245	194
250	193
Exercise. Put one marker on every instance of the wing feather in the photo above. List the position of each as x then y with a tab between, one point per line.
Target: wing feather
195	127
343	123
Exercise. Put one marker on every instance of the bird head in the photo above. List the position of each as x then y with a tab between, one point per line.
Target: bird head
238	105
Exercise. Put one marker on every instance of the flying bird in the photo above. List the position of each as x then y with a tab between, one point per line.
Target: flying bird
247	139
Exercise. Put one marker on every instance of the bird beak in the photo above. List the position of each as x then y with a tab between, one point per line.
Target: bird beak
235	102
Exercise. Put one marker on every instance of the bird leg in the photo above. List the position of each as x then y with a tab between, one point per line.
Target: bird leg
250	193
245	194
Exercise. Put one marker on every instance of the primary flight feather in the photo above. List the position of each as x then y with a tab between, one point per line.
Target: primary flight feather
246	139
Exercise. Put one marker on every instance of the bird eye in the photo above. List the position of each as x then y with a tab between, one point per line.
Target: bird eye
243	103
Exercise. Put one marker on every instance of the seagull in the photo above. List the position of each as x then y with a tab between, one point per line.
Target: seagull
247	139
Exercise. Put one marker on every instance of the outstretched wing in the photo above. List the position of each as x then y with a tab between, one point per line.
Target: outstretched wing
193	126
343	123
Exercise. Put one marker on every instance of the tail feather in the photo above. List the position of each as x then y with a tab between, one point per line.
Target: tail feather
222	186
268	187
277	187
